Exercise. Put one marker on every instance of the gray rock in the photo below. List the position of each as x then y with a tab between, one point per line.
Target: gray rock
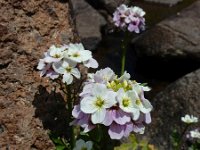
177	36
168	2
111	5
178	99
88	23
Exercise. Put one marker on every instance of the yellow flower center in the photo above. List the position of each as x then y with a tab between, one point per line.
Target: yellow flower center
68	69
138	102
76	54
116	85
84	148
126	102
56	56
99	102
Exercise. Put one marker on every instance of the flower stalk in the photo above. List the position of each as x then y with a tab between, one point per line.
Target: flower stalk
69	110
124	46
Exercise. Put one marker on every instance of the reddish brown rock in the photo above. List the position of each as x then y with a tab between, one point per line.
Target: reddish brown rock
28	106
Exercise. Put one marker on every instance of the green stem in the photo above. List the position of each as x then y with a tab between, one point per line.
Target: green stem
124	45
123	60
70	106
182	136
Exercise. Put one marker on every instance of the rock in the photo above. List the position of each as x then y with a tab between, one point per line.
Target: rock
168	2
177	36
111	5
88	23
27	29
178	99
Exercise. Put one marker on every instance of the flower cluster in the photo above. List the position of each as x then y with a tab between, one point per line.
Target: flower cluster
189	119
64	60
116	102
195	134
131	18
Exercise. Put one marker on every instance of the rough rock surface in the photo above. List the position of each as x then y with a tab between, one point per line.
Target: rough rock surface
168	2
111	5
177	36
88	23
27	104
178	99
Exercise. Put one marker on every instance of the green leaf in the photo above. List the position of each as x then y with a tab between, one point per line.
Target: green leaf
60	147
175	138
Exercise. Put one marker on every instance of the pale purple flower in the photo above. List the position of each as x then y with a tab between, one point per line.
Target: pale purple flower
46	69
116	115
120	15
82	119
129	18
63	61
117	131
104	75
116	102
53	55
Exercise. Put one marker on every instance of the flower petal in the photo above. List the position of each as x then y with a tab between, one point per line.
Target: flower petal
121	117
136	114
146	107
58	67
116	131
87	105
108	118
91	63
110	99
147	118
76	73
98	116
89	145
128	129
67	78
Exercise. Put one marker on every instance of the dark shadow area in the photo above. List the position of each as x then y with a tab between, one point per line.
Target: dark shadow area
157	72
50	109
63	1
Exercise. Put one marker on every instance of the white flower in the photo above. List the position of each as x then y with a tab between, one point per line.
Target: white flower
125	101
96	103
67	68
142	105
195	134
126	76
54	54
46	69
77	53
189	119
91	63
137	11
82	145
104	75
